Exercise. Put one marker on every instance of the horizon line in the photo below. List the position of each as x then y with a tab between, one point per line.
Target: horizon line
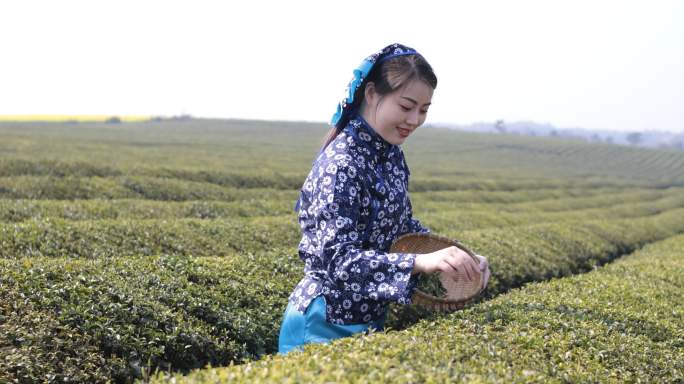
43	118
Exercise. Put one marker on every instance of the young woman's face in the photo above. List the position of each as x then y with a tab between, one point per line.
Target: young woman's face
397	115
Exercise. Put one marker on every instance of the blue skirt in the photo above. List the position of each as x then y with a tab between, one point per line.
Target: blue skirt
311	326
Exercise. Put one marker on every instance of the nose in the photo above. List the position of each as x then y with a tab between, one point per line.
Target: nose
412	118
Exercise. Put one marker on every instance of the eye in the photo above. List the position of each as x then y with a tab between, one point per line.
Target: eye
405	108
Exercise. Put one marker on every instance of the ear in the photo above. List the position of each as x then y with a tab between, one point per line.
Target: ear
369	93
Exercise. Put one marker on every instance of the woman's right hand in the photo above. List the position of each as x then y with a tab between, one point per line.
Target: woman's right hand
448	260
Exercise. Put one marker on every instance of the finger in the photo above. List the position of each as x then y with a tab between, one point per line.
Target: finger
452	262
466	264
483	262
457	272
449	269
470	268
473	273
477	272
484	265
468	272
474	262
454	274
456	267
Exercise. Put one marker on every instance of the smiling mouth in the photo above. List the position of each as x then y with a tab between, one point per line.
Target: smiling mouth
403	132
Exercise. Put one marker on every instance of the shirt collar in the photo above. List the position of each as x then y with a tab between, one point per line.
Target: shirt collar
361	129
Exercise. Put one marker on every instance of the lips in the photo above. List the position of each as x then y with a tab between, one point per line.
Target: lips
403	132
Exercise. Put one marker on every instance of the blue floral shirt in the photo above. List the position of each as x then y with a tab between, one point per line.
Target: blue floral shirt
354	203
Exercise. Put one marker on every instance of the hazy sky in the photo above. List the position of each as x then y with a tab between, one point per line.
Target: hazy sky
594	64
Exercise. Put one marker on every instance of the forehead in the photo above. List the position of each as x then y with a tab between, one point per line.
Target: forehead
416	90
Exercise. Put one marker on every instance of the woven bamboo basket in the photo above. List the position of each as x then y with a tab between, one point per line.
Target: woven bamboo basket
459	291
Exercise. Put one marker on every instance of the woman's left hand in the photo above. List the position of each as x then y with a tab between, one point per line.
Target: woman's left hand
484	267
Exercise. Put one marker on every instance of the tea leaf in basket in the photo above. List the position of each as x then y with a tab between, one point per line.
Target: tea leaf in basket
430	284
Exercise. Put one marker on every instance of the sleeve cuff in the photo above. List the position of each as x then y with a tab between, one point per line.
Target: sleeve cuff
410	285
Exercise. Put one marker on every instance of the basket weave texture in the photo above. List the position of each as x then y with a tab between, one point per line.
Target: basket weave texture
458	291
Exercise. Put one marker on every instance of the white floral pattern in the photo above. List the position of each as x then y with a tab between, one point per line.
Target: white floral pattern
353	204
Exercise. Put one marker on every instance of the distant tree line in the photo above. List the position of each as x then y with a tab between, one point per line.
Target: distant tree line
182	117
643	139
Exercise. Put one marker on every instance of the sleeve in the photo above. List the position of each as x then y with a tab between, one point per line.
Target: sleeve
336	238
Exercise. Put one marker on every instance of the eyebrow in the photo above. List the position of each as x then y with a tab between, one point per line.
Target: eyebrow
410	99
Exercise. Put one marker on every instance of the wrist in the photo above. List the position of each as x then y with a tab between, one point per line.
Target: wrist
417	266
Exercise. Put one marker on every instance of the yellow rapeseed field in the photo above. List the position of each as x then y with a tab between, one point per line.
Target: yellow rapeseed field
64	118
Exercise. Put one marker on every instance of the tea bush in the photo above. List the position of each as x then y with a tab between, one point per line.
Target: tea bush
172	245
115	238
261	203
623	322
178	311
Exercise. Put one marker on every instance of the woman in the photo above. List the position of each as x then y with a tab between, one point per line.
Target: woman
354	203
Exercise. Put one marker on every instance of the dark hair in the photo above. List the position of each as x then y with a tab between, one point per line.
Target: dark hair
388	76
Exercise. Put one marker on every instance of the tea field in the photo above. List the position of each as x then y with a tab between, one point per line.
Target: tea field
152	250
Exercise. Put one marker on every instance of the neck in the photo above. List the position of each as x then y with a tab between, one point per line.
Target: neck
365	112
373	140
369	116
